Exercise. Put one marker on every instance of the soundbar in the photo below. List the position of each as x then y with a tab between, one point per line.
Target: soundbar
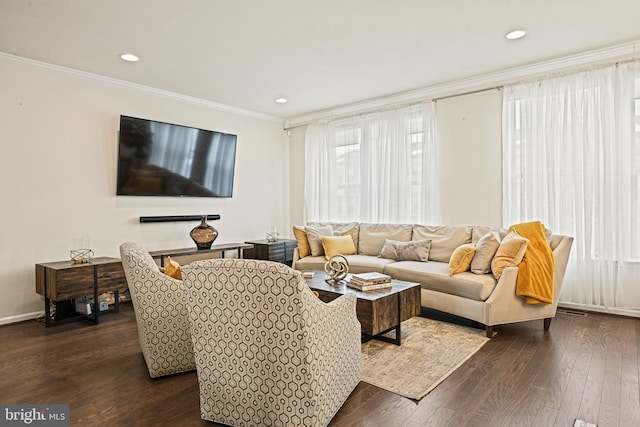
171	218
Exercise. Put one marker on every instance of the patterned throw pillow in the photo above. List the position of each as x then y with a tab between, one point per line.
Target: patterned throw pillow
461	258
415	250
172	269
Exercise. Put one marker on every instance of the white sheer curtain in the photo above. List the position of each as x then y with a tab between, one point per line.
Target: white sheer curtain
378	167
571	159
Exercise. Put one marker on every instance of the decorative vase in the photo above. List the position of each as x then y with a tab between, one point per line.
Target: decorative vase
204	234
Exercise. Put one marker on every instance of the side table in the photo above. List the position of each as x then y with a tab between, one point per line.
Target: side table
65	280
279	251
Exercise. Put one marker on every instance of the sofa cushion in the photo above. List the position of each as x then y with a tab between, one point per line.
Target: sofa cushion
480	230
485	250
435	276
444	239
357	263
337	245
310	263
367	263
313	236
415	250
372	236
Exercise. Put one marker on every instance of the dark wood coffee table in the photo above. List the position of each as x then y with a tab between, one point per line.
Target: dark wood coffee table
378	311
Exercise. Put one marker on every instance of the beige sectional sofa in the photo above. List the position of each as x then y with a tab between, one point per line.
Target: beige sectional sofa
479	297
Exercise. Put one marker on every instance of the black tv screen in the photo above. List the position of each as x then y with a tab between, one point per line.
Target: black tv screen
163	159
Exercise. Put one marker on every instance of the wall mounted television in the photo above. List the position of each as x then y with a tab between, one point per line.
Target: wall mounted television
163	159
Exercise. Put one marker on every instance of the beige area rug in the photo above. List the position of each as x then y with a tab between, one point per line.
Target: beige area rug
431	350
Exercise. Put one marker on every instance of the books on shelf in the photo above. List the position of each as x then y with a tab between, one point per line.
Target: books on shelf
369	281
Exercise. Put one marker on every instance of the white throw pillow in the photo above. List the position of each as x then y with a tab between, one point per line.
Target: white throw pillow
313	233
485	250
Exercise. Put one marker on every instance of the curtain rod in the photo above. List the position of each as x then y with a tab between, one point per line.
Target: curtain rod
574	70
395	106
510	82
471	92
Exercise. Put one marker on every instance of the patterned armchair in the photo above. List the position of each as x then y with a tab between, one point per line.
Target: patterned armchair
159	303
268	352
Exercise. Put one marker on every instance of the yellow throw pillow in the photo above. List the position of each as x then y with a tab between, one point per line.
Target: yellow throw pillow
172	269
337	245
461	258
509	253
303	243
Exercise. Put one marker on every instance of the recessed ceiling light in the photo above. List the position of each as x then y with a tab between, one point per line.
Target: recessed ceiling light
129	57
281	100
516	34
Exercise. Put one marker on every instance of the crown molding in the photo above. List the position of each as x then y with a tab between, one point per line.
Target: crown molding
619	52
145	89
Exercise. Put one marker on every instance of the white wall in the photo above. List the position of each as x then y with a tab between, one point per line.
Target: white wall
470	151
296	160
58	165
470	160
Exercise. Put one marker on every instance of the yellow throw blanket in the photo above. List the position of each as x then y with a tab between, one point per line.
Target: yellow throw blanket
536	271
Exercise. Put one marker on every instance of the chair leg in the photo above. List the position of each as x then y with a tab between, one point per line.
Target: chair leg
547	323
489	330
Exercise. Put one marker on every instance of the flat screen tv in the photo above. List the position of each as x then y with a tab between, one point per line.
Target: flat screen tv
163	159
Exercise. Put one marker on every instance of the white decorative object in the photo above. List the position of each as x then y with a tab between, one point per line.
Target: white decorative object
81	251
272	234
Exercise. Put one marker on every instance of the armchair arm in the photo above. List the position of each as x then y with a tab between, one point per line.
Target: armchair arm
296	257
335	349
504	306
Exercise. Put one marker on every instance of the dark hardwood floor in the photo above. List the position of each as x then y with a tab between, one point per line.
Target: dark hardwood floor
585	367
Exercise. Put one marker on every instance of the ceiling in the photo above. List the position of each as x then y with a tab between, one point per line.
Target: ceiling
318	54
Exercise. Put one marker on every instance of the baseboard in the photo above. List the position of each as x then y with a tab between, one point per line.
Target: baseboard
599	309
20	317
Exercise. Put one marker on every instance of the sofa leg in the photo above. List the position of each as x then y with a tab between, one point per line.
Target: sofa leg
547	323
489	331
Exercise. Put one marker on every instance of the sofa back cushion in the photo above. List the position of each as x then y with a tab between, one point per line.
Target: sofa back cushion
481	230
342	229
444	239
372	236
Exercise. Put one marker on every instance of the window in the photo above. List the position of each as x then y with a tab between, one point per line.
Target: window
571	159
378	167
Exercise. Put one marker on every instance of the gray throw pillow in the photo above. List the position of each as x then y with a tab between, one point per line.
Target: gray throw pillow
485	250
313	233
415	250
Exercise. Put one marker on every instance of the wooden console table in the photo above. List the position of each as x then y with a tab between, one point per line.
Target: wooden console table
62	282
163	254
66	280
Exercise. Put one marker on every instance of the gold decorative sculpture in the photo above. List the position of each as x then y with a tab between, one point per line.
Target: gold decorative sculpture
337	269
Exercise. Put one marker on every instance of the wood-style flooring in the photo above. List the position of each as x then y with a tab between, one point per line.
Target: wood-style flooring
585	367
